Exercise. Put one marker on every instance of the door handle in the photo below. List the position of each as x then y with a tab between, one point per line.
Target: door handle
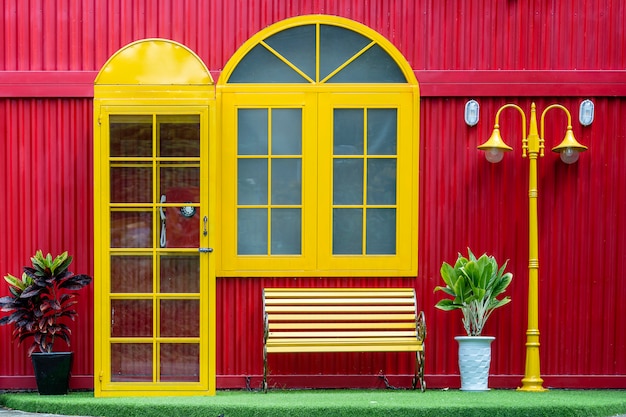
205	250
205	230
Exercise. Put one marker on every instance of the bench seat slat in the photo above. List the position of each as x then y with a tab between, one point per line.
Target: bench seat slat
344	348
361	317
341	325
338	301
342	308
337	292
343	340
345	345
344	334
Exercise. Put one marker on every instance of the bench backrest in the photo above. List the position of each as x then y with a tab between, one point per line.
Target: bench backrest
340	312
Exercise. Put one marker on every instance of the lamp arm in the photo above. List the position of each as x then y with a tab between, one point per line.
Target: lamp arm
521	112
550	107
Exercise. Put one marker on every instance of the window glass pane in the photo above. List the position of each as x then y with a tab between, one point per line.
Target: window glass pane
261	66
286	232
252	131
131	318
180	184
179	227
287	131
373	66
131	229
180	274
297	45
251	181
131	274
381	181
347	231
286	181
180	318
252	232
130	135
179	135
337	45
381	232
382	131
131	362
180	362
347	181
348	131
131	184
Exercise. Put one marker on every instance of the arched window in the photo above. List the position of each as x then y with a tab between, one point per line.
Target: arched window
319	153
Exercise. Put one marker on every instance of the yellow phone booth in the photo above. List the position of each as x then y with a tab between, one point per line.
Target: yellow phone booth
154	194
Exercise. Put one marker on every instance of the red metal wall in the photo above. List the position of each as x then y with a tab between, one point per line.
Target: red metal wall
489	50
46	202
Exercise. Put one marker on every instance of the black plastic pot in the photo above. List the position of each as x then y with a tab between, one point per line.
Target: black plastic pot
52	372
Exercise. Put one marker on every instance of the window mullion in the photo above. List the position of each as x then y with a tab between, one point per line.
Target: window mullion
365	167
269	181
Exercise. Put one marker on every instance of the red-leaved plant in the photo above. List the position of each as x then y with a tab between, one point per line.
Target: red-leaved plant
41	299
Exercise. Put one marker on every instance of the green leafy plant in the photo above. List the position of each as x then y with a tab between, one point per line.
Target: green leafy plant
40	300
474	285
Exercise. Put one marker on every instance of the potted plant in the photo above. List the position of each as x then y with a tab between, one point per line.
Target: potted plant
474	285
39	305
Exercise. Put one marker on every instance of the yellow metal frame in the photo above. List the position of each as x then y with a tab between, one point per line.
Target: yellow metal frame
153	77
343	320
317	99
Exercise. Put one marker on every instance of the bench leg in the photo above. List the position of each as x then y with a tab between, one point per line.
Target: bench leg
420	356
419	370
264	369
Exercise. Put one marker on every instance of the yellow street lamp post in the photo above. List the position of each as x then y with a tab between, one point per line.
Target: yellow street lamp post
532	147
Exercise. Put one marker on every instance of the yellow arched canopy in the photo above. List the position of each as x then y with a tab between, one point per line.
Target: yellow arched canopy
154	62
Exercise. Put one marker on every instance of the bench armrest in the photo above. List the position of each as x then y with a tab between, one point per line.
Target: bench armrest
420	326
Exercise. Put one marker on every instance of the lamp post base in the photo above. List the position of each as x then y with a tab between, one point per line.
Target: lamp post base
532	385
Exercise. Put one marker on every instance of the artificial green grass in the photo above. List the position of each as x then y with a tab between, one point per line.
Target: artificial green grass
333	403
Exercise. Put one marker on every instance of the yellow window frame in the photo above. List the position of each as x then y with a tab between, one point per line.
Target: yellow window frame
319	98
317	258
259	265
404	261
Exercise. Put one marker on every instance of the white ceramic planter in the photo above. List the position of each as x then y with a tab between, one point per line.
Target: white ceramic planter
474	361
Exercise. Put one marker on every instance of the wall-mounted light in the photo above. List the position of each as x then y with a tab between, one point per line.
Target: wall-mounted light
585	115
472	110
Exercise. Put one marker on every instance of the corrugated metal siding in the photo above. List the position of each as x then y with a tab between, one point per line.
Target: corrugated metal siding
47	203
465	201
46	170
432	35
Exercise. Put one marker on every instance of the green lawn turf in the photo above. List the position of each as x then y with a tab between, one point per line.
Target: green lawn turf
333	403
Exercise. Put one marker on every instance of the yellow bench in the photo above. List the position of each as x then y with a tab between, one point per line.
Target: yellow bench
343	320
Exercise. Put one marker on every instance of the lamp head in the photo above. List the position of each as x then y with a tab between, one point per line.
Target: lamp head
569	148
495	147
